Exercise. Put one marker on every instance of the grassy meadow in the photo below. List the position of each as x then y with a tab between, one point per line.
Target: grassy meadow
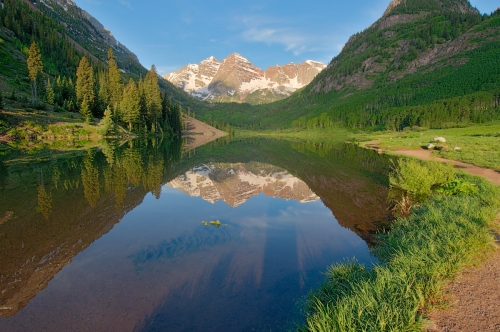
478	144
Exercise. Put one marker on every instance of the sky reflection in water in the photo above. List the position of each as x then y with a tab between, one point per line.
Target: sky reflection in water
160	268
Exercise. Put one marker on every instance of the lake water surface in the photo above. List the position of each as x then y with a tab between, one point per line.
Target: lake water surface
121	238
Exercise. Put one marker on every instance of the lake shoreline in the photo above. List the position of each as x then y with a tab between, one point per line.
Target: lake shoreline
410	145
448	233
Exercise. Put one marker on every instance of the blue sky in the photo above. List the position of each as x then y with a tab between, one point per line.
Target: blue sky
172	33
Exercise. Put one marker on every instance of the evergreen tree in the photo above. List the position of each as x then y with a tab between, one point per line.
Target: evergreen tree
175	119
152	95
85	86
142	102
1	100
130	104
107	124
115	85
35	66
102	91
85	111
49	92
165	108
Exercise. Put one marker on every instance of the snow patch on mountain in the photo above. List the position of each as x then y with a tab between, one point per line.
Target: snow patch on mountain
236	78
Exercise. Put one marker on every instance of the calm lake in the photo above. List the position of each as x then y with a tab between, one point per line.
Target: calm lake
143	236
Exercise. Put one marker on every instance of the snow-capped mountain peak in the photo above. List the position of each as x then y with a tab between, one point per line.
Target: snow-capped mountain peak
235	78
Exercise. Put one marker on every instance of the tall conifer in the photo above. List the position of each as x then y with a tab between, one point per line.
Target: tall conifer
49	92
115	85
130	104
85	87
153	98
35	66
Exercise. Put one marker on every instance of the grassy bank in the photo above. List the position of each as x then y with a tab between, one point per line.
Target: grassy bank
477	144
418	256
29	133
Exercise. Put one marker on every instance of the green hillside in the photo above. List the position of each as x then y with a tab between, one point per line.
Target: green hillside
425	63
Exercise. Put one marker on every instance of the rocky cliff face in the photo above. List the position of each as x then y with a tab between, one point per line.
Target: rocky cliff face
193	77
237	79
236	183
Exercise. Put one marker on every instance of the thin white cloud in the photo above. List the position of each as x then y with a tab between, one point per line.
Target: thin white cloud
126	3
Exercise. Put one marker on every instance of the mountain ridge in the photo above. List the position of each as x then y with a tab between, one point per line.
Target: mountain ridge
235	78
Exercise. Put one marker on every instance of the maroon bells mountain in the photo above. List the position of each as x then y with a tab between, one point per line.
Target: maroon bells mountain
235	79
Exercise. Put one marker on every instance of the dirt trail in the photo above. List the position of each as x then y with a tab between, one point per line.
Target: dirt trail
474	300
487	173
490	174
198	133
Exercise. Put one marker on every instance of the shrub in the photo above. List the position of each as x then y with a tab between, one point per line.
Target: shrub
16	133
418	179
456	187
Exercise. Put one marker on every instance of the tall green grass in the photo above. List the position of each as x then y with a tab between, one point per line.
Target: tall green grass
417	257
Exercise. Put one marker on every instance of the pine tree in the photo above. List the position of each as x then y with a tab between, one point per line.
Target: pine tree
35	66
85	85
49	92
130	104
102	91
165	107
107	124
85	111
175	119
153	98
142	102
115	85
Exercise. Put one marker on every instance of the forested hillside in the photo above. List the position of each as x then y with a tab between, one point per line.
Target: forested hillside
53	57
428	63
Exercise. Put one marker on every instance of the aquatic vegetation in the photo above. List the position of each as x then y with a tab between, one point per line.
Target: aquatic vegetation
213	223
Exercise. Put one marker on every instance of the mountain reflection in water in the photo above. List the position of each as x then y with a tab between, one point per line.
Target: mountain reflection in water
98	242
236	183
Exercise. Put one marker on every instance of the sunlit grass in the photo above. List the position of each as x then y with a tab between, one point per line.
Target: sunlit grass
477	144
417	257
